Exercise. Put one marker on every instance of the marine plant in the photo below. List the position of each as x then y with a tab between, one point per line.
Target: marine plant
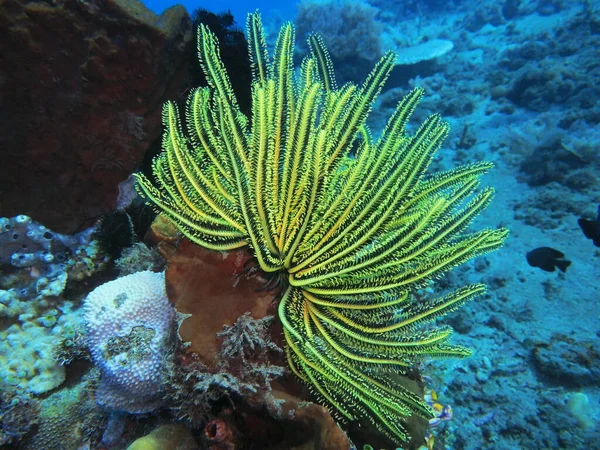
347	225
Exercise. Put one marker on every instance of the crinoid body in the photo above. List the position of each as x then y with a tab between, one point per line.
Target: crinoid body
355	224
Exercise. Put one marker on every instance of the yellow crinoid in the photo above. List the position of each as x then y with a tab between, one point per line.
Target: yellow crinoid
352	225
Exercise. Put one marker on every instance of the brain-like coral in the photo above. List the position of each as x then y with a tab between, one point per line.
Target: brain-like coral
67	419
130	325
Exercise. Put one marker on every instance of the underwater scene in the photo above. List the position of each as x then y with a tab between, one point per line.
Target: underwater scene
302	225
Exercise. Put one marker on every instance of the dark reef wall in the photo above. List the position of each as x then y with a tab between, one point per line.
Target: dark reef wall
81	90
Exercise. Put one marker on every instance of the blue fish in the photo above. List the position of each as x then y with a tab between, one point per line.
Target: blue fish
547	259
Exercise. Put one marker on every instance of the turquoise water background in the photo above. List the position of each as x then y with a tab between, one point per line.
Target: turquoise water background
239	9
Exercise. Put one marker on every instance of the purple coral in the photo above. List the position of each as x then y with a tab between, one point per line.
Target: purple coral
130	325
38	253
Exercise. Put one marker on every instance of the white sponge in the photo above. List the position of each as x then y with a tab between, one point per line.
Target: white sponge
130	323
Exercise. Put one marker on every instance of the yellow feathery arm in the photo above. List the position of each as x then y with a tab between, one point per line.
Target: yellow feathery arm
393	180
225	107
359	388
359	180
390	192
186	175
313	177
348	127
420	312
392	137
280	102
257	49
176	187
467	175
308	74
357	258
256	195
284	120
207	236
394	340
384	198
324	65
445	230
299	148
336	105
201	131
358	303
409	274
268	261
390	141
405	244
395	129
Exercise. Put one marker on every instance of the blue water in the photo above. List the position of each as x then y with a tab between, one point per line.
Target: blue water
239	9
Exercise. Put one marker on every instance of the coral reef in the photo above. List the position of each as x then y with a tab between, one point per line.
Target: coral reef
130	327
68	419
118	230
350	29
302	426
520	90
245	338
564	361
71	345
579	405
35	265
115	232
27	350
243	367
424	52
244	400
357	33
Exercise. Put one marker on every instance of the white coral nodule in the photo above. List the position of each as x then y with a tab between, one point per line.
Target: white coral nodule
130	323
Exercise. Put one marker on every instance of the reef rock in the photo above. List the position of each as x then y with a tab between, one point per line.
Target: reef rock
213	289
82	84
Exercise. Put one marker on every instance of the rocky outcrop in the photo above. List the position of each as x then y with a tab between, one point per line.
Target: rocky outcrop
81	89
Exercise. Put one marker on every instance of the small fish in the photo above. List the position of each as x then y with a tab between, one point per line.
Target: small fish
591	228
547	259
